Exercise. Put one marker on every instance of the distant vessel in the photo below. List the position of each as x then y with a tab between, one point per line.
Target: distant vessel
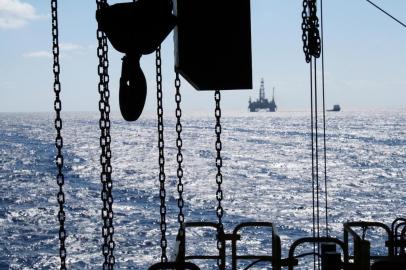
262	102
336	108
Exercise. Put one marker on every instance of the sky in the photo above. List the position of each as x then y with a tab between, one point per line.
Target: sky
365	58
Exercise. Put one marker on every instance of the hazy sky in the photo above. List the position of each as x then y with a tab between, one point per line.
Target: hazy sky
365	58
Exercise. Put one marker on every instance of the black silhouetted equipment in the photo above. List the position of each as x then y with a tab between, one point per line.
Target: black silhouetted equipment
135	29
213	43
393	259
213	52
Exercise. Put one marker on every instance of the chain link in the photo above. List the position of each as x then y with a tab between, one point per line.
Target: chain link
305	30
161	160
219	176
105	141
310	30
179	157
60	179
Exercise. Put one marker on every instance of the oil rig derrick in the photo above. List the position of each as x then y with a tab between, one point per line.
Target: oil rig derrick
263	103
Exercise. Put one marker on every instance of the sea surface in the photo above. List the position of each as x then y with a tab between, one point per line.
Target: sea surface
267	174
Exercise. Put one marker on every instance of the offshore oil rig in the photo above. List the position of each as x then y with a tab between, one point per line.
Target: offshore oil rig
262	102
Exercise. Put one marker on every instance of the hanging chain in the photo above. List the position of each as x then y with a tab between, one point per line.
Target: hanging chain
108	155
179	157
304	31
310	30
161	160
314	33
219	176
105	140
58	140
312	49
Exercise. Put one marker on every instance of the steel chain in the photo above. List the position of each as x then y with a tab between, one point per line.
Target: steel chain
161	160
314	40
105	141
219	176
305	30
310	30
108	154
60	178
179	156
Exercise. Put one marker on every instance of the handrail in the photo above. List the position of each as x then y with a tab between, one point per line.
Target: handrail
174	266
362	254
292	259
395	222
398	226
402	240
399	239
252	224
200	224
361	248
369	224
275	259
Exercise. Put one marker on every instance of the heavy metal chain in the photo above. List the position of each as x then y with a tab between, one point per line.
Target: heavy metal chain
179	157
105	140
161	160
304	30
60	179
312	49
219	176
310	30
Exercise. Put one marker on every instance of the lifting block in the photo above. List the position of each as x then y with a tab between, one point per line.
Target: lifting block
137	27
213	43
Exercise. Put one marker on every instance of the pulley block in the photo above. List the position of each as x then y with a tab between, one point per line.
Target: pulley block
135	29
213	43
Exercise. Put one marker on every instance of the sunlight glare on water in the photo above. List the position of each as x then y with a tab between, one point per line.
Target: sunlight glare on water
267	177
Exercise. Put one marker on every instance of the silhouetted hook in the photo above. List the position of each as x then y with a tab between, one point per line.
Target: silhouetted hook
133	88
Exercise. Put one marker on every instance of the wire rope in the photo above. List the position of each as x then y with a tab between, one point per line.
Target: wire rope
387	13
324	118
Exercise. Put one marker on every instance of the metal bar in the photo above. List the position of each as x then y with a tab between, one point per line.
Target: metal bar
174	265
252	257
211	225
202	257
395	222
403	238
276	249
274	259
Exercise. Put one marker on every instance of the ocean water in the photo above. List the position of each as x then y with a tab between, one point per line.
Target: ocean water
267	177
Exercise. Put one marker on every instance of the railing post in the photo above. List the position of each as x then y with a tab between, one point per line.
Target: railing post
223	251
330	258
276	249
361	254
234	252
